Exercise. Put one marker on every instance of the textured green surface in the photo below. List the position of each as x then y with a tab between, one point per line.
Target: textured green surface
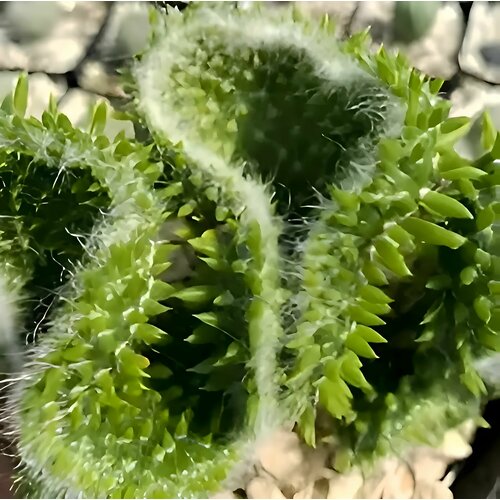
120	381
296	236
40	164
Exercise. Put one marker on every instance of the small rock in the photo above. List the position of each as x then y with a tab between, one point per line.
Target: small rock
401	484
41	87
345	485
428	464
293	465
316	460
480	54
127	31
11	55
261	487
454	446
340	12
374	481
468	429
76	105
376	15
28	21
182	264
95	77
491	53
8	81
321	488
471	99
282	456
223	495
450	477
372	487
413	19
429	489
434	53
306	492
57	38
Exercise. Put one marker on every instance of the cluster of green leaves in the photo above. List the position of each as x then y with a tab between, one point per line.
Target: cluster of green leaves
185	308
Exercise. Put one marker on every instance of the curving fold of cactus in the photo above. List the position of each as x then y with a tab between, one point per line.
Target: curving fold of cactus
56	181
295	238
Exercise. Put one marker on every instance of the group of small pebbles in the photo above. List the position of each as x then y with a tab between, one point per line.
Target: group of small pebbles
287	468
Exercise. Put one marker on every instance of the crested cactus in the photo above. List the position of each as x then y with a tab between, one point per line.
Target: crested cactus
57	181
296	236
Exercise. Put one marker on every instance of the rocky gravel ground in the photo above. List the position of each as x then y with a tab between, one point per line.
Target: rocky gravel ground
285	468
73	49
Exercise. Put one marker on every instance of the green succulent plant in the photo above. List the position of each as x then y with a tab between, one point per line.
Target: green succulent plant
294	235
56	182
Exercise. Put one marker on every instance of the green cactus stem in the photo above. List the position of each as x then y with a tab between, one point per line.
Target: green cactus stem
142	358
382	217
56	182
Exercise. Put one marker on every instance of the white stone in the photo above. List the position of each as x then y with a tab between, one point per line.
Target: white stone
428	464
454	446
281	456
376	15
435	53
57	38
41	87
306	492
11	55
428	489
10	347
261	487
93	77
127	31
27	20
471	99
400	484
345	485
482	31
340	12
